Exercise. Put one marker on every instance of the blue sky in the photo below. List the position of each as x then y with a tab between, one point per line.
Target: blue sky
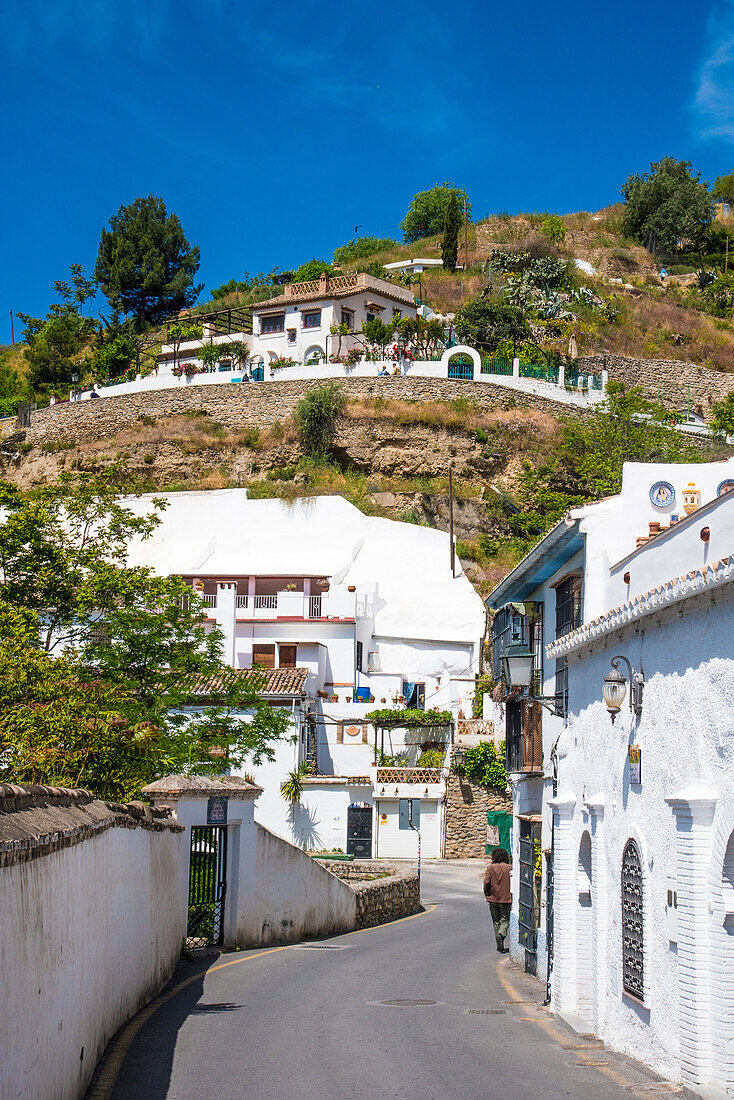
273	129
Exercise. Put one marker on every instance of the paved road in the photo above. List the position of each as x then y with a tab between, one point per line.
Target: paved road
307	1022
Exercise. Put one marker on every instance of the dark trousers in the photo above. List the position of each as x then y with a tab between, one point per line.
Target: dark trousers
500	911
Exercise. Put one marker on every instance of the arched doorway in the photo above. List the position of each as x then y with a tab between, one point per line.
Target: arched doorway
585	933
257	366
314	356
461	362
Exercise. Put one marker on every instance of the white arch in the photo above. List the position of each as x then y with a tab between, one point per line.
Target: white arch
314	350
461	349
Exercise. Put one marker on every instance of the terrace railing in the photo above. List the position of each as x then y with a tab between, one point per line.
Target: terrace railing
409	775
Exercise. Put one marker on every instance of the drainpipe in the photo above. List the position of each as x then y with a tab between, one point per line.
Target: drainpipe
548	939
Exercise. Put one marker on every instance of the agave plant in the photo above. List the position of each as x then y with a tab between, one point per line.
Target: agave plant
292	788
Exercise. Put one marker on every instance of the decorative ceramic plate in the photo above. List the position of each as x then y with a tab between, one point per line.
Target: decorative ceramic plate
662	494
725	487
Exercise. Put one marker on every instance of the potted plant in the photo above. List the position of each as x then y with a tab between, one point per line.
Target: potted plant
371	699
290	588
335	698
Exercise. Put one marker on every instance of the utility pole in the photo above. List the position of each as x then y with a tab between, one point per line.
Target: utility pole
466	240
726	261
12	333
451	523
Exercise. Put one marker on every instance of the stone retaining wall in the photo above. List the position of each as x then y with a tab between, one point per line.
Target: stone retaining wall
256	404
466	816
379	899
666	380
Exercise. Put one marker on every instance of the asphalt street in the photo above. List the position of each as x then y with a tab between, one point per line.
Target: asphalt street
310	1022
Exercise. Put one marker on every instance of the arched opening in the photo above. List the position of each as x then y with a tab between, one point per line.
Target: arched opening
584	932
314	355
461	367
633	940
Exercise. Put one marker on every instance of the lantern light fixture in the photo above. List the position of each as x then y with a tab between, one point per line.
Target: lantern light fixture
614	688
518	665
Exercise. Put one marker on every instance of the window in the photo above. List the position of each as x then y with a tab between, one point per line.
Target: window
370	316
291	336
263	655
523	736
561	691
226	364
359	657
568	606
409	809
414	695
287	656
274	322
348	318
312	319
632	926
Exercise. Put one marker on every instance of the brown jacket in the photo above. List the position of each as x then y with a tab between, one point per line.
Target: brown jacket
497	883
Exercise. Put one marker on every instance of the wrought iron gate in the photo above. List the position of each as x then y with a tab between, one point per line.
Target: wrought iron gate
461	367
527	915
632	928
207	885
359	831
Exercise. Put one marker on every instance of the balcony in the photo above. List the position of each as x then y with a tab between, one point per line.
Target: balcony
410	775
296	605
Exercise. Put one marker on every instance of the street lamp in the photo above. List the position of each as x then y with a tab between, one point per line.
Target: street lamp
517	661
614	688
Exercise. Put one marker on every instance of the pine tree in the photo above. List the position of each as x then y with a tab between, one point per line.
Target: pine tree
451	226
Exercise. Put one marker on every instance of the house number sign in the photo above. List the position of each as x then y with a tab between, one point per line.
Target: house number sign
216	811
634	756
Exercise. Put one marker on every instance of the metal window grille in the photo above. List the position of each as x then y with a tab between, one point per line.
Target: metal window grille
314	607
513	734
359	657
508	628
568	606
561	692
632	922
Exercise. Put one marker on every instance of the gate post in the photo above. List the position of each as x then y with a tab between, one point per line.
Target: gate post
227	804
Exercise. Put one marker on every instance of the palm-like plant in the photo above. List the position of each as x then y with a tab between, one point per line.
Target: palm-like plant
292	788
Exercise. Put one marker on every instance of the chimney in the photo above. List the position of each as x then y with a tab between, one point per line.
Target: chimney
323	283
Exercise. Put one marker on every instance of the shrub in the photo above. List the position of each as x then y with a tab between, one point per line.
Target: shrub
485	765
481	435
359	247
316	415
553	229
623	255
251	437
431	758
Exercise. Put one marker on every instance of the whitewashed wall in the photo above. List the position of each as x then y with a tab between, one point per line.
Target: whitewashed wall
89	934
682	816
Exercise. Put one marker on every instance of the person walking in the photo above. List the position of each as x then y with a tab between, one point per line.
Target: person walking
497	892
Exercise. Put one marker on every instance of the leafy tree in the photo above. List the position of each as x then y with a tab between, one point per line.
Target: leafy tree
485	322
378	333
722	415
360	247
451	225
145	265
553	229
723	189
106	658
587	462
427	211
316	415
113	358
314	269
668	208
718	296
54	343
13	388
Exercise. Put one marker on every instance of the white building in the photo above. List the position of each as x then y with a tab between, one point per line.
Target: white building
563	583
638	815
353	613
415	267
295	325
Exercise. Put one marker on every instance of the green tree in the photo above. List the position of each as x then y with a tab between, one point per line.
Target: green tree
427	211
316	415
587	462
553	229
378	334
668	208
360	247
314	269
55	342
108	660
723	189
145	265
722	415
451	225
113	358
13	388
718	296
485	322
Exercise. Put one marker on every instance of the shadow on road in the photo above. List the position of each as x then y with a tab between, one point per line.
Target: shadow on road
146	1068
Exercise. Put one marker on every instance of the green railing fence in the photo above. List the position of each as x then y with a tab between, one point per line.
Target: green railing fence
545	372
495	366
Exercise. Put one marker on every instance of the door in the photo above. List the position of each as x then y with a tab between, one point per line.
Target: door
527	909
258	373
359	831
207	885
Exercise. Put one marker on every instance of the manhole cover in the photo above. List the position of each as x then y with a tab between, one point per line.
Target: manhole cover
318	947
401	1003
486	1011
